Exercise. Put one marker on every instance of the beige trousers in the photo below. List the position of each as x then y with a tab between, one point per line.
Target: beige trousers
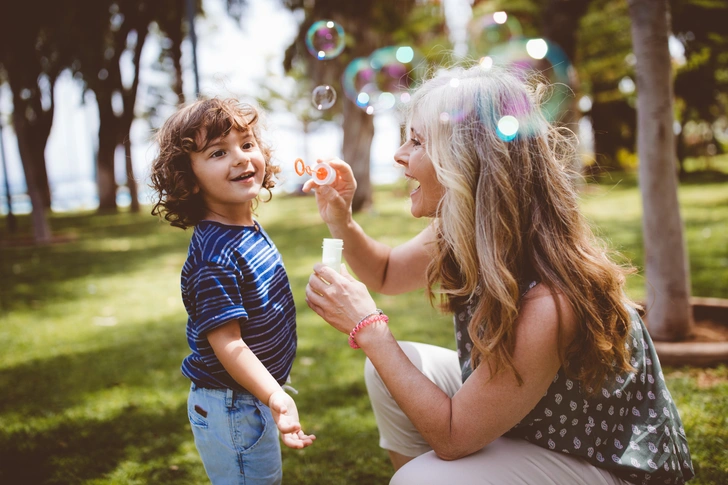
506	461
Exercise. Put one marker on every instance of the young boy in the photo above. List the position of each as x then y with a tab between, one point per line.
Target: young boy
241	325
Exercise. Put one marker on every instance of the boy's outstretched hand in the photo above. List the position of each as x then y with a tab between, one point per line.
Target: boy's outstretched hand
285	415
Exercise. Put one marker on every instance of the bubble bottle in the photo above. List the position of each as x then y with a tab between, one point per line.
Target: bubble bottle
321	173
331	256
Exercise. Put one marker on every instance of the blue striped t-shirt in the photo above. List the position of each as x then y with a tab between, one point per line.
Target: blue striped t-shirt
236	273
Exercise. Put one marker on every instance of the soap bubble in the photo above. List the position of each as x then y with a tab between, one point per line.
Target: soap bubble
325	39
323	97
507	128
380	81
526	56
489	30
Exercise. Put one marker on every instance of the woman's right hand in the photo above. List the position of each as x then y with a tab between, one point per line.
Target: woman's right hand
334	201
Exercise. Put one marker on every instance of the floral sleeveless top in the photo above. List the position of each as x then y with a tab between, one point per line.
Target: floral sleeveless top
631	428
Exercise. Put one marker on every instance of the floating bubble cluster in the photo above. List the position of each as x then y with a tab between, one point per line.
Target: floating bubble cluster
382	80
325	39
528	56
487	31
497	39
323	97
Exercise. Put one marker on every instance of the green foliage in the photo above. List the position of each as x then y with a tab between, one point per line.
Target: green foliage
93	334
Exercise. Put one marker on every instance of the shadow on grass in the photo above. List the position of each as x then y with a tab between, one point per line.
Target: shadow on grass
85	449
71	418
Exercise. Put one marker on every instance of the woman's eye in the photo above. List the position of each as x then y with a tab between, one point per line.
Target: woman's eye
248	145
415	142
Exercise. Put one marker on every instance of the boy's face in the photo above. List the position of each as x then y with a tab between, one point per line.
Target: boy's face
229	175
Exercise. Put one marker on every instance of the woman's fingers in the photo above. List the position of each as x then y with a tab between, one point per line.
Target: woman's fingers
308	185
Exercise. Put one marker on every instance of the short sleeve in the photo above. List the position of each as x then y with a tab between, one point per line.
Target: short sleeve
216	293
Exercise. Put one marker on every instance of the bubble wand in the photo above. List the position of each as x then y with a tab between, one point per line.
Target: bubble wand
321	173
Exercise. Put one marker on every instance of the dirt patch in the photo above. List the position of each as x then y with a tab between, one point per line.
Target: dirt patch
709	330
707	345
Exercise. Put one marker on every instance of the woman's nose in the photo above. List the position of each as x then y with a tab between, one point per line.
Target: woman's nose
401	156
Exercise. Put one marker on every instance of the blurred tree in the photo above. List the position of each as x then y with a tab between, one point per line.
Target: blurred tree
701	84
113	29
31	58
369	25
120	29
666	265
603	59
173	26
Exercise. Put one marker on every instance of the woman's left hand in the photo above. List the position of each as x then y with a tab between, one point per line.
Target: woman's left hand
338	298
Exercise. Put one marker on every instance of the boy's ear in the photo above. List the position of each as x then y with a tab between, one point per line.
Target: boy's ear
196	189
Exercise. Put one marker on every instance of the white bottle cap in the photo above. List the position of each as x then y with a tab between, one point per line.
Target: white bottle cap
323	174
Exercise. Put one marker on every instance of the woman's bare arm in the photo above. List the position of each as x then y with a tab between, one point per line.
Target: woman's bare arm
484	408
382	268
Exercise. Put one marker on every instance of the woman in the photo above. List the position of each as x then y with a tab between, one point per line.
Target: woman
555	379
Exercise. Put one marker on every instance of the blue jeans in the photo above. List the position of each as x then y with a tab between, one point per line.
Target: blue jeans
235	436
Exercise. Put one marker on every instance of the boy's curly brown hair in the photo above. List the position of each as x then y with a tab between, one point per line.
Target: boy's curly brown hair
171	174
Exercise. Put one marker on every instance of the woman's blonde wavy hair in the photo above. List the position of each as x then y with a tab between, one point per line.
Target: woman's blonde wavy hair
171	175
510	215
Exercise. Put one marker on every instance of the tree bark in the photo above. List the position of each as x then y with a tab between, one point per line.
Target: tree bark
32	158
32	126
108	140
130	179
175	50
666	264
358	136
129	96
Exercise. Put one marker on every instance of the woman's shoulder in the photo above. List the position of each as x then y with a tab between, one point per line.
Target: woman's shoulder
543	306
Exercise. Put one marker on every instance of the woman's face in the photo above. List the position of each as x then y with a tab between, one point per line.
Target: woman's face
419	170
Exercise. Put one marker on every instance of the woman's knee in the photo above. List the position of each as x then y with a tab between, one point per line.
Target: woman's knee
422	470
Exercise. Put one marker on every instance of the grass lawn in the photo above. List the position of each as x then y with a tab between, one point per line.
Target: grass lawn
93	336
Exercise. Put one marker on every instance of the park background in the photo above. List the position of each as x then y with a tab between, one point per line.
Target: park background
90	313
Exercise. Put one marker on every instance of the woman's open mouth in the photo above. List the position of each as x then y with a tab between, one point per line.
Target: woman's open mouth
413	184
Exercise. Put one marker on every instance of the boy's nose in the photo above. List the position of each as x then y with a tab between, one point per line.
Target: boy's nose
240	157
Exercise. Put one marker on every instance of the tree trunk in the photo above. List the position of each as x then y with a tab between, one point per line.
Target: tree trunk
358	135
127	118
33	124
176	55
130	179
29	153
668	291
108	137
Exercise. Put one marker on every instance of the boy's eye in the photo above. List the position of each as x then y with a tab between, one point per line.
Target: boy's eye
217	153
248	145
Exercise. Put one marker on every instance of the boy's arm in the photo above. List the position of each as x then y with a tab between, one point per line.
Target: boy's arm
247	370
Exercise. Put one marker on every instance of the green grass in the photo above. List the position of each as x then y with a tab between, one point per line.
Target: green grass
93	335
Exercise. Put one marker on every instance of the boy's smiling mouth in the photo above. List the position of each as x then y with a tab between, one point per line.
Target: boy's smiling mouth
243	176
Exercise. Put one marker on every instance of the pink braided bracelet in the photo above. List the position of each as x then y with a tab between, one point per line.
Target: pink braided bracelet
377	316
